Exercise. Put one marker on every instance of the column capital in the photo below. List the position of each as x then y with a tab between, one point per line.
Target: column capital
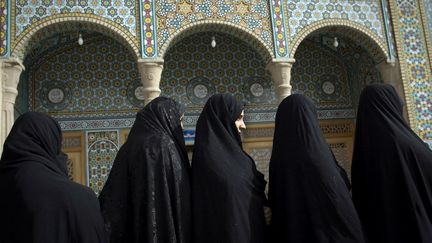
278	62
150	71
11	71
280	70
150	61
12	61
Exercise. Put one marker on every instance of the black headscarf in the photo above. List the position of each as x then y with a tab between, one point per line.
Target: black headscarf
147	195
228	190
38	201
391	171
309	199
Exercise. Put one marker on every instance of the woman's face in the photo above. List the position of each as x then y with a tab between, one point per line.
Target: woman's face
239	123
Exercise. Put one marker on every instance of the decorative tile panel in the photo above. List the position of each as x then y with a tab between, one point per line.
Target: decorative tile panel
254	15
71	142
262	157
426	12
302	13
102	147
279	30
428	6
193	71
4	27
314	68
416	69
96	80
345	70
258	132
149	29
76	125
122	12
337	128
343	155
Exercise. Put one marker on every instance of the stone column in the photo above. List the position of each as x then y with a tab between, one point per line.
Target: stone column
10	73
150	71
280	70
391	74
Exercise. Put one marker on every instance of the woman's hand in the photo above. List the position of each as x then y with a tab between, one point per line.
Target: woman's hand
267	214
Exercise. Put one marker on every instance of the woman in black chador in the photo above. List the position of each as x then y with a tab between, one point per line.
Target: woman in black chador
147	195
391	171
38	201
308	195
228	191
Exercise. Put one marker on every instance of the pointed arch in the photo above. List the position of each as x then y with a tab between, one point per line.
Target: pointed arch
369	40
72	22
219	26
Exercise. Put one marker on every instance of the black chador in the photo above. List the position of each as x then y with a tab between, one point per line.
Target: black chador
228	190
391	171
38	201
308	194
147	195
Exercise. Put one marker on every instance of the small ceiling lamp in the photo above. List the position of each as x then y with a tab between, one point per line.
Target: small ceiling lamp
335	42
80	39
213	42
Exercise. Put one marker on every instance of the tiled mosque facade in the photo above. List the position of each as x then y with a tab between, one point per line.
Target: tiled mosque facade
134	51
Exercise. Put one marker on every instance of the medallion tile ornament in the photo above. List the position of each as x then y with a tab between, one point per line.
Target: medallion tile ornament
256	89
199	89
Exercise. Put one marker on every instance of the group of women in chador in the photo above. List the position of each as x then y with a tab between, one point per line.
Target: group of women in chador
153	194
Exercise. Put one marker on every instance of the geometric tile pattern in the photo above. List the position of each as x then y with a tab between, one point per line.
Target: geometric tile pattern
80	125
348	68
262	156
362	35
416	69
71	142
253	15
193	71
428	5
258	132
50	44
190	120
428	23
4	27
102	147
98	79
121	12
358	61
149	32
302	13
279	34
315	67
105	87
